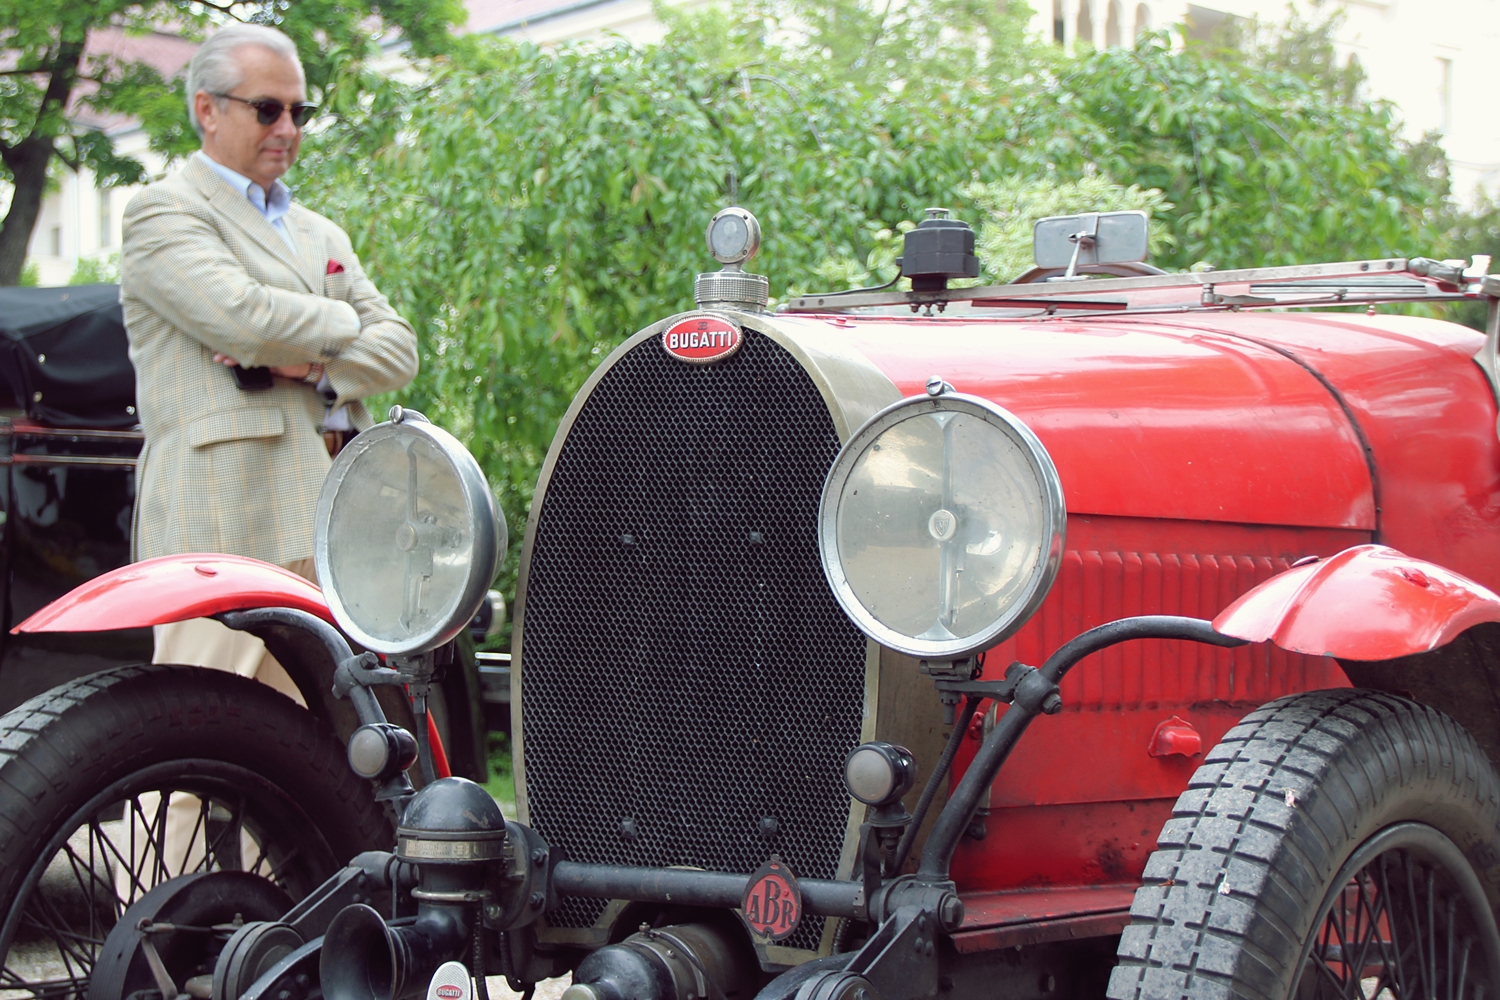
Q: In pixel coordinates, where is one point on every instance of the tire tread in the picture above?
(61, 747)
(1237, 872)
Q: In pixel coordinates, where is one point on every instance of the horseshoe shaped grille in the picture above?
(688, 680)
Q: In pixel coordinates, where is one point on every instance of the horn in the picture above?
(363, 959)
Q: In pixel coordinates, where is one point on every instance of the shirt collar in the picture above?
(273, 208)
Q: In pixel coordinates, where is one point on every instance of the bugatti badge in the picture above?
(701, 339)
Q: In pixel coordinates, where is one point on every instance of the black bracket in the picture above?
(1023, 685)
(363, 670)
(900, 960)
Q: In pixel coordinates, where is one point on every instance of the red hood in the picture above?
(1251, 418)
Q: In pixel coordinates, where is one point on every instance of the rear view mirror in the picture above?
(1095, 238)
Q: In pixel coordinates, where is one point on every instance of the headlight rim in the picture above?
(1053, 534)
(489, 529)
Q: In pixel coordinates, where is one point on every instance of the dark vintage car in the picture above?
(69, 438)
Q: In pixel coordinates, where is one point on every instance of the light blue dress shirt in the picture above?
(274, 207)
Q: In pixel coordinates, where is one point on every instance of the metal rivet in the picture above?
(627, 539)
(539, 857)
(756, 538)
(537, 899)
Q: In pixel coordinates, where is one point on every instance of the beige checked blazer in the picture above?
(202, 271)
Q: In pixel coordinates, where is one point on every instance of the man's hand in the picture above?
(296, 372)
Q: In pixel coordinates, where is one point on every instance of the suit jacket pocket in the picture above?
(338, 285)
(236, 425)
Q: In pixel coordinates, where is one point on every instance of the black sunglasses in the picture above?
(269, 112)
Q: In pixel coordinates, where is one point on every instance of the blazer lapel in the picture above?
(235, 207)
(312, 256)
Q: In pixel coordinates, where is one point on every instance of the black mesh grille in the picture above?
(684, 665)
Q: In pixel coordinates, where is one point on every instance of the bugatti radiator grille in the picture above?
(689, 687)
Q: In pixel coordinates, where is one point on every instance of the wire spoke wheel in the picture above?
(116, 783)
(139, 832)
(1407, 918)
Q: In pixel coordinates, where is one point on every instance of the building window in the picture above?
(1059, 26)
(1445, 94)
(106, 234)
(56, 235)
(1085, 21)
(1210, 26)
(1142, 20)
(1112, 24)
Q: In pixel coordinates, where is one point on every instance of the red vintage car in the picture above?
(1110, 632)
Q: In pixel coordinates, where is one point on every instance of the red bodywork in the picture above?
(174, 588)
(1201, 455)
(1418, 607)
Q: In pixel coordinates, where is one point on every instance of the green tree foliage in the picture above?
(529, 209)
(917, 48)
(1262, 167)
(1301, 44)
(1010, 207)
(50, 72)
(95, 270)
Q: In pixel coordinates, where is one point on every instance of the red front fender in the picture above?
(1369, 602)
(174, 588)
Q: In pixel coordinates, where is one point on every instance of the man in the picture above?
(220, 270)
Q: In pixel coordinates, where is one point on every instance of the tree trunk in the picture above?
(27, 161)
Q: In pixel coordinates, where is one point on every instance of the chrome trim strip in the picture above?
(1200, 283)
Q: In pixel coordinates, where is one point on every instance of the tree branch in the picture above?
(60, 85)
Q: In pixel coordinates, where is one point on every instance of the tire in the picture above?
(88, 773)
(1335, 844)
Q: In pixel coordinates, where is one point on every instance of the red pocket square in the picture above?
(334, 267)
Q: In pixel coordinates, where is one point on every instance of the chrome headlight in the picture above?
(941, 525)
(408, 537)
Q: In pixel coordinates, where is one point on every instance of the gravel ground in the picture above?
(547, 989)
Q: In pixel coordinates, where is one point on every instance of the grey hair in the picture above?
(214, 68)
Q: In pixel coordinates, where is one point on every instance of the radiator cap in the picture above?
(733, 238)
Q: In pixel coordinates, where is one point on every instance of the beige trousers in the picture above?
(203, 642)
(179, 844)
